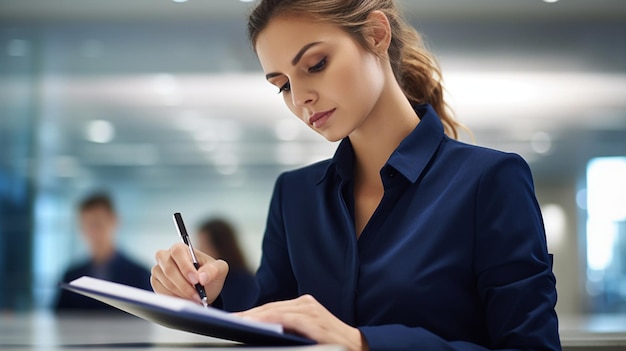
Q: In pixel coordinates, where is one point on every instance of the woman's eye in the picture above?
(319, 66)
(285, 87)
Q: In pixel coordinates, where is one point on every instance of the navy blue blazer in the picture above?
(120, 269)
(453, 258)
(239, 291)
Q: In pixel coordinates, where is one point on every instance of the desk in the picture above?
(45, 331)
(593, 333)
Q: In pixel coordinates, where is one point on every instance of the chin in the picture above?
(333, 139)
(333, 136)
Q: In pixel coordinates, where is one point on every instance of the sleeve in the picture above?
(275, 278)
(63, 299)
(513, 271)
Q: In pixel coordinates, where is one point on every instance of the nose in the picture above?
(301, 95)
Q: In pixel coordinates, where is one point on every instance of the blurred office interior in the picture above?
(163, 103)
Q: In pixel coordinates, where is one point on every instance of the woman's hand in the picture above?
(307, 317)
(174, 274)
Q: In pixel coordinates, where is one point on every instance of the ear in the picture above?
(378, 32)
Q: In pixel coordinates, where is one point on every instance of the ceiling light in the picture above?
(550, 1)
(165, 84)
(100, 131)
(180, 1)
(541, 142)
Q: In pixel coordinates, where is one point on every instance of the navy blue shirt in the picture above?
(453, 258)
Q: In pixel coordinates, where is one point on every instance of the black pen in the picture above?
(182, 231)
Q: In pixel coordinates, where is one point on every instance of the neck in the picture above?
(391, 120)
(103, 256)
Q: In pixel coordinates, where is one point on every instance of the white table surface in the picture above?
(95, 332)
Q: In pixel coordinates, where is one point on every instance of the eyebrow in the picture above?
(295, 59)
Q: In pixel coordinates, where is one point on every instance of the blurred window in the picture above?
(606, 234)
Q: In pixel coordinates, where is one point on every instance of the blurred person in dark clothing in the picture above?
(217, 237)
(98, 224)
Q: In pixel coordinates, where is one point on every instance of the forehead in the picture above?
(95, 211)
(284, 36)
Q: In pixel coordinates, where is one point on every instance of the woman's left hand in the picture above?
(307, 317)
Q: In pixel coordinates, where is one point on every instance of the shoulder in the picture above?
(75, 271)
(125, 262)
(493, 173)
(479, 159)
(129, 272)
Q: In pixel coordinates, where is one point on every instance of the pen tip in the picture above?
(204, 303)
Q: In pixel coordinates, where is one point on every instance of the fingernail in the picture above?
(203, 278)
(193, 278)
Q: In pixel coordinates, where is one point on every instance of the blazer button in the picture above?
(391, 174)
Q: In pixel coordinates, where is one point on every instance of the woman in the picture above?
(217, 239)
(406, 239)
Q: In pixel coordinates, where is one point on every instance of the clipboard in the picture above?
(180, 314)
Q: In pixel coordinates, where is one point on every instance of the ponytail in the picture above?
(419, 76)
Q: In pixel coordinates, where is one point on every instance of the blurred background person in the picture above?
(217, 237)
(98, 224)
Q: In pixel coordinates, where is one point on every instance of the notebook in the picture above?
(177, 313)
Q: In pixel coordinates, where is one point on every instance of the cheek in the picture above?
(359, 81)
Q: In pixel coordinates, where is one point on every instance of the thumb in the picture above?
(213, 272)
(212, 276)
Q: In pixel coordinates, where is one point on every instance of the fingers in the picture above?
(179, 253)
(307, 317)
(289, 314)
(175, 275)
(274, 312)
(212, 276)
(161, 288)
(168, 279)
(213, 272)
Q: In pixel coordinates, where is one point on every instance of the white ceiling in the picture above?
(512, 79)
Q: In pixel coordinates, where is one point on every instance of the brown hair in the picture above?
(97, 200)
(222, 237)
(415, 69)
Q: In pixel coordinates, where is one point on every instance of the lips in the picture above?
(319, 118)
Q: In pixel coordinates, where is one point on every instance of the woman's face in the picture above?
(326, 78)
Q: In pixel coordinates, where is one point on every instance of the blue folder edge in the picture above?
(198, 324)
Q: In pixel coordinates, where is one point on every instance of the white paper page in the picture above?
(168, 302)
